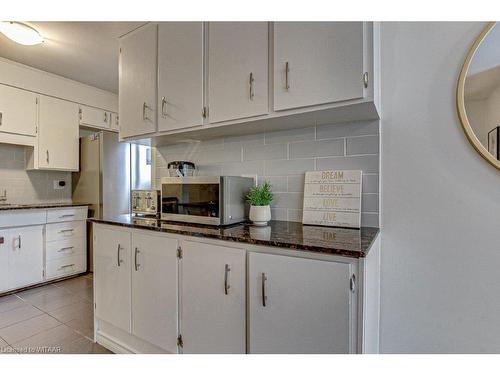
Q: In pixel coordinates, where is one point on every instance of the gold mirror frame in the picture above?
(471, 136)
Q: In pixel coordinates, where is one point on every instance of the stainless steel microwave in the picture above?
(213, 200)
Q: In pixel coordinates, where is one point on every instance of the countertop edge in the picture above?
(41, 206)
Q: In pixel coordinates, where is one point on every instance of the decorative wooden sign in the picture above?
(332, 198)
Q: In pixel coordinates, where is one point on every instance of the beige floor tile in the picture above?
(76, 310)
(19, 314)
(27, 294)
(51, 303)
(49, 341)
(10, 302)
(84, 346)
(87, 294)
(27, 328)
(76, 284)
(84, 326)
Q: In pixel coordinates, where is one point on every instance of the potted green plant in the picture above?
(260, 198)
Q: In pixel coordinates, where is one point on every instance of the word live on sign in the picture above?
(332, 198)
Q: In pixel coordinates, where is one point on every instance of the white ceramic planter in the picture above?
(260, 215)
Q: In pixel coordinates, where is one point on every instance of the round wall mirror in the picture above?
(478, 94)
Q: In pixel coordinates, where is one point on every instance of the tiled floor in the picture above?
(55, 318)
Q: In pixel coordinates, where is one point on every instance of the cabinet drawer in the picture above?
(65, 266)
(64, 231)
(16, 218)
(66, 214)
(65, 248)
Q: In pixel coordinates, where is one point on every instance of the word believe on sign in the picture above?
(332, 198)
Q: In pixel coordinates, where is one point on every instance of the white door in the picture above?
(154, 289)
(5, 241)
(298, 305)
(180, 75)
(58, 138)
(18, 111)
(95, 117)
(213, 295)
(112, 276)
(237, 70)
(25, 256)
(317, 63)
(137, 81)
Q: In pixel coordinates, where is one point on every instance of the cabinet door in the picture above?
(237, 70)
(95, 117)
(25, 256)
(213, 299)
(58, 144)
(317, 63)
(137, 81)
(154, 268)
(112, 276)
(180, 80)
(18, 111)
(5, 241)
(306, 307)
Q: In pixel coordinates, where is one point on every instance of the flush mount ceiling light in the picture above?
(21, 33)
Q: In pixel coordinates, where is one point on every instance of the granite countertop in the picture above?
(353, 243)
(31, 206)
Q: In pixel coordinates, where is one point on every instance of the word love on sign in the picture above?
(332, 198)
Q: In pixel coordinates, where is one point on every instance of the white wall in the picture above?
(440, 282)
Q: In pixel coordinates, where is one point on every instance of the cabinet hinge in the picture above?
(36, 100)
(36, 129)
(80, 113)
(365, 79)
(43, 273)
(180, 343)
(179, 252)
(204, 112)
(352, 283)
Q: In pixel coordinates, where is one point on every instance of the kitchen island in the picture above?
(164, 287)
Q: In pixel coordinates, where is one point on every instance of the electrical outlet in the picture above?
(59, 184)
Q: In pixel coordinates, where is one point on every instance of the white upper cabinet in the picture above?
(95, 117)
(137, 83)
(237, 70)
(18, 111)
(180, 75)
(58, 135)
(154, 265)
(213, 295)
(298, 305)
(317, 63)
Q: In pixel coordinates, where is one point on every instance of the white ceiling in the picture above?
(84, 51)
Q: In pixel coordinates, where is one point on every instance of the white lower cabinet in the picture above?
(213, 294)
(298, 305)
(112, 276)
(154, 289)
(24, 247)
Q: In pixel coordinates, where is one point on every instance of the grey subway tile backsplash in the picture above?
(283, 157)
(362, 145)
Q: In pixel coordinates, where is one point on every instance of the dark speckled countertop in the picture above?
(32, 206)
(354, 243)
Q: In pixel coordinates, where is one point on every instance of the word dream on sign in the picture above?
(332, 198)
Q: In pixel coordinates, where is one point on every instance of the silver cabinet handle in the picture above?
(264, 297)
(136, 265)
(118, 260)
(251, 80)
(163, 106)
(47, 156)
(19, 242)
(66, 230)
(144, 107)
(65, 249)
(67, 215)
(1, 118)
(66, 266)
(226, 283)
(287, 71)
